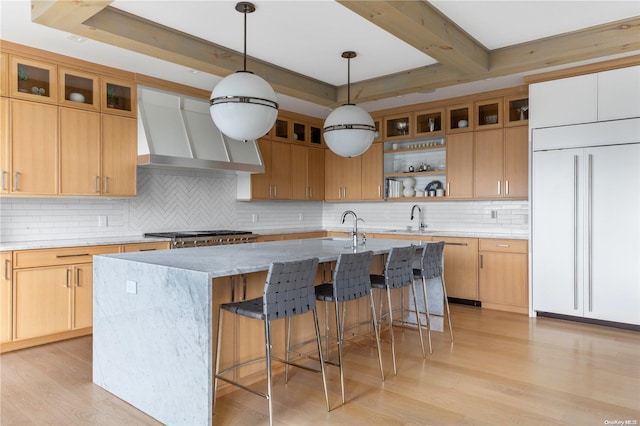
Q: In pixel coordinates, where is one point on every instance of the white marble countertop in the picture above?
(235, 259)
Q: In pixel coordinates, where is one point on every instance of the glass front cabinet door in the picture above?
(33, 80)
(119, 97)
(79, 89)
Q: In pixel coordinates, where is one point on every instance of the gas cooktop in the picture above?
(191, 234)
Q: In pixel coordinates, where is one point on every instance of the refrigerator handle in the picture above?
(590, 229)
(575, 232)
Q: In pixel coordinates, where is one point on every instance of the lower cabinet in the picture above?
(133, 247)
(503, 275)
(52, 294)
(460, 267)
(6, 319)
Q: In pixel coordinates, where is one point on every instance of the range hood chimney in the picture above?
(177, 131)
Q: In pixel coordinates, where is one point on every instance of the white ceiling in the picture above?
(308, 36)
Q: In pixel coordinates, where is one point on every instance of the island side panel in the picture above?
(152, 345)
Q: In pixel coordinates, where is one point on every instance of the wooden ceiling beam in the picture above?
(587, 44)
(131, 32)
(423, 26)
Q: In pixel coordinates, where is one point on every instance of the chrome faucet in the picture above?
(354, 233)
(422, 225)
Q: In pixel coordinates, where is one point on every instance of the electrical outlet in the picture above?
(300, 216)
(103, 221)
(132, 287)
(494, 215)
(254, 217)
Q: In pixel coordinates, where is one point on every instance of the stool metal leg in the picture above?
(319, 341)
(415, 303)
(267, 335)
(217, 371)
(426, 311)
(446, 303)
(340, 331)
(393, 340)
(377, 333)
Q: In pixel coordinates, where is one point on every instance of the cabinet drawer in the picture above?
(62, 256)
(507, 246)
(133, 247)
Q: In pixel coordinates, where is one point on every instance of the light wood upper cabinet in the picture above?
(460, 165)
(460, 118)
(6, 312)
(119, 154)
(33, 80)
(429, 122)
(398, 127)
(503, 275)
(307, 173)
(79, 152)
(275, 182)
(488, 114)
(516, 162)
(4, 74)
(119, 97)
(488, 163)
(372, 172)
(5, 140)
(342, 177)
(516, 110)
(79, 89)
(501, 163)
(34, 148)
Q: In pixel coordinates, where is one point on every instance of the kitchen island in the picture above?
(155, 317)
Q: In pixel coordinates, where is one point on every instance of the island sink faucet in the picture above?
(422, 225)
(354, 233)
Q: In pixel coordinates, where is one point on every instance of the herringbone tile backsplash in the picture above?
(188, 200)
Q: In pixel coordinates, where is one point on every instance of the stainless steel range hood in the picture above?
(177, 131)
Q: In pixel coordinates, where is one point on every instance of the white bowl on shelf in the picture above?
(76, 97)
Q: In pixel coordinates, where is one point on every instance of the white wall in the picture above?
(189, 200)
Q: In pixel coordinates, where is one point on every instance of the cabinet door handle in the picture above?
(456, 244)
(506, 187)
(7, 262)
(575, 232)
(97, 183)
(62, 256)
(448, 189)
(590, 228)
(498, 187)
(503, 245)
(4, 180)
(481, 261)
(68, 280)
(379, 191)
(275, 191)
(106, 184)
(15, 181)
(77, 277)
(310, 192)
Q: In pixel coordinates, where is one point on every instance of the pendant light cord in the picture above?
(348, 81)
(244, 65)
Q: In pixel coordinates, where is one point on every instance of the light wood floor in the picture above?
(502, 369)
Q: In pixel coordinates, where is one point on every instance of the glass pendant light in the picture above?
(243, 105)
(349, 129)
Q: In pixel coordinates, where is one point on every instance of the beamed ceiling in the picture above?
(455, 56)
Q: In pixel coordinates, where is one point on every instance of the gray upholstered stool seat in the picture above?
(398, 273)
(432, 266)
(350, 282)
(288, 291)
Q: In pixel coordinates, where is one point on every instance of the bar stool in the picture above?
(398, 273)
(432, 266)
(350, 282)
(288, 291)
